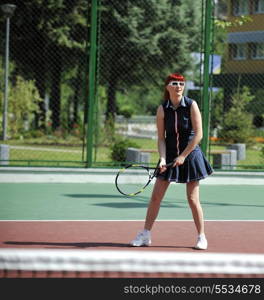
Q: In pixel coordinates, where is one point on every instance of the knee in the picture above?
(193, 201)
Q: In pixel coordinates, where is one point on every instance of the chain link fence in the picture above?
(47, 68)
(237, 114)
(138, 44)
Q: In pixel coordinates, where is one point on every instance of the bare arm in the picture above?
(161, 136)
(198, 134)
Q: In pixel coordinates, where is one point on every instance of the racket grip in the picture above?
(169, 164)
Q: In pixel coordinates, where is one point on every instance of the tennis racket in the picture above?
(134, 178)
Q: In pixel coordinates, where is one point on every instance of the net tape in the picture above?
(130, 261)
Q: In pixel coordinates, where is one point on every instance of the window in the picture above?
(238, 51)
(240, 7)
(257, 51)
(258, 6)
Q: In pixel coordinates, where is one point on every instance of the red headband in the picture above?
(174, 76)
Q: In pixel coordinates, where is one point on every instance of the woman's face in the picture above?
(176, 87)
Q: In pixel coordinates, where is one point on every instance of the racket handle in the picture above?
(169, 164)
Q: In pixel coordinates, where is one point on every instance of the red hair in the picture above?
(172, 77)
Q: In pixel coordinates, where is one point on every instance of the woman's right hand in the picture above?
(162, 165)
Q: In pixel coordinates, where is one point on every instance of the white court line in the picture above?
(97, 175)
(102, 178)
(128, 220)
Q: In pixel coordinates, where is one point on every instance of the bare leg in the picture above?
(194, 203)
(158, 193)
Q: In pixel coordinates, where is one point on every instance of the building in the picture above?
(245, 42)
(243, 64)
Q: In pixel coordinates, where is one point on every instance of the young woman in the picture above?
(179, 127)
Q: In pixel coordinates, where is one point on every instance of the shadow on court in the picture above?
(78, 245)
(137, 199)
(88, 245)
(93, 196)
(169, 205)
(230, 204)
(135, 205)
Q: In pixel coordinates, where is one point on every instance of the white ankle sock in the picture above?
(202, 235)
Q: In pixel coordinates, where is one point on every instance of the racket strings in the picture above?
(132, 180)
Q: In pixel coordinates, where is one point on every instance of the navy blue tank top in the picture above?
(178, 127)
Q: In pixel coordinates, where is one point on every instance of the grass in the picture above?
(72, 155)
(254, 158)
(35, 152)
(24, 154)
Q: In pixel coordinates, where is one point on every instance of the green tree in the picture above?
(143, 41)
(217, 108)
(140, 43)
(23, 104)
(256, 108)
(262, 153)
(237, 122)
(48, 41)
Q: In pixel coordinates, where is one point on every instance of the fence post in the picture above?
(206, 74)
(4, 154)
(92, 82)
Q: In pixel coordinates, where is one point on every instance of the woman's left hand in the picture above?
(179, 161)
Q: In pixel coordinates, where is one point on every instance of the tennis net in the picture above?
(102, 263)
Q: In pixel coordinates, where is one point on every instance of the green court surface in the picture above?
(101, 201)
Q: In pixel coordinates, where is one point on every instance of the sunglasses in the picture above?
(177, 83)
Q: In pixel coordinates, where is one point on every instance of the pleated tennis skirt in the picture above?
(194, 168)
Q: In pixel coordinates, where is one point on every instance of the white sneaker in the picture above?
(201, 242)
(143, 238)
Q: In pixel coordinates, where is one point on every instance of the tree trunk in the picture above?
(40, 75)
(55, 89)
(77, 94)
(111, 100)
